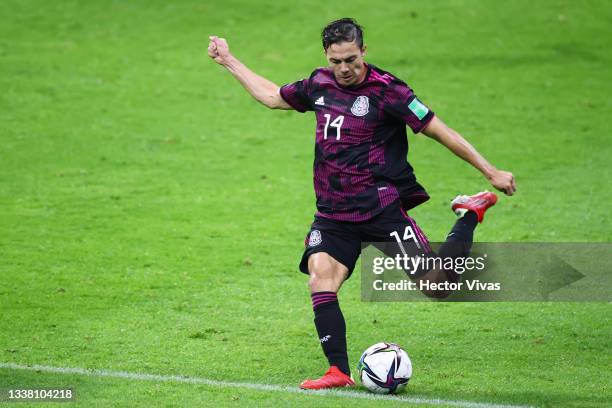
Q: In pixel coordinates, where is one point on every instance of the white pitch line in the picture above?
(252, 386)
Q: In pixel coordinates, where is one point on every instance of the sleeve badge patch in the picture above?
(418, 108)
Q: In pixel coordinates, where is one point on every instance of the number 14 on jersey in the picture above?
(337, 123)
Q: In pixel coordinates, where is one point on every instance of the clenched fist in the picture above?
(218, 49)
(503, 181)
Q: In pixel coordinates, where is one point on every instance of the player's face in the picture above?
(346, 59)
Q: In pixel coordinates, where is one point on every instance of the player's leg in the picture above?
(326, 278)
(401, 235)
(394, 224)
(416, 243)
(326, 273)
(470, 211)
(329, 260)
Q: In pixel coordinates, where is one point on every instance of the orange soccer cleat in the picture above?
(333, 378)
(479, 203)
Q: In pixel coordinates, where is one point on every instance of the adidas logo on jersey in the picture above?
(320, 101)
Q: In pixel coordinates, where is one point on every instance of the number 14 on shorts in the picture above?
(409, 234)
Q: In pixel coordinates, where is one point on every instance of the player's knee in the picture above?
(321, 278)
(324, 274)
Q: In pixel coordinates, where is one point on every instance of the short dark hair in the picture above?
(343, 30)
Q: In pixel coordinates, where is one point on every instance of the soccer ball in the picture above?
(384, 368)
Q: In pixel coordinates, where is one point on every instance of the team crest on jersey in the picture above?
(315, 238)
(361, 106)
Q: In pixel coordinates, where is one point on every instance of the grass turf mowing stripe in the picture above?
(253, 386)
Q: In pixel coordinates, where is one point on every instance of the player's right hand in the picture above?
(218, 49)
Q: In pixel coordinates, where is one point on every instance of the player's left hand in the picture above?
(503, 181)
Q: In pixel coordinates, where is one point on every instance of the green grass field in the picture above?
(152, 215)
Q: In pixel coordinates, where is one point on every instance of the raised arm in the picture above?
(501, 180)
(263, 90)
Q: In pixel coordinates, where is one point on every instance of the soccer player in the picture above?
(363, 182)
